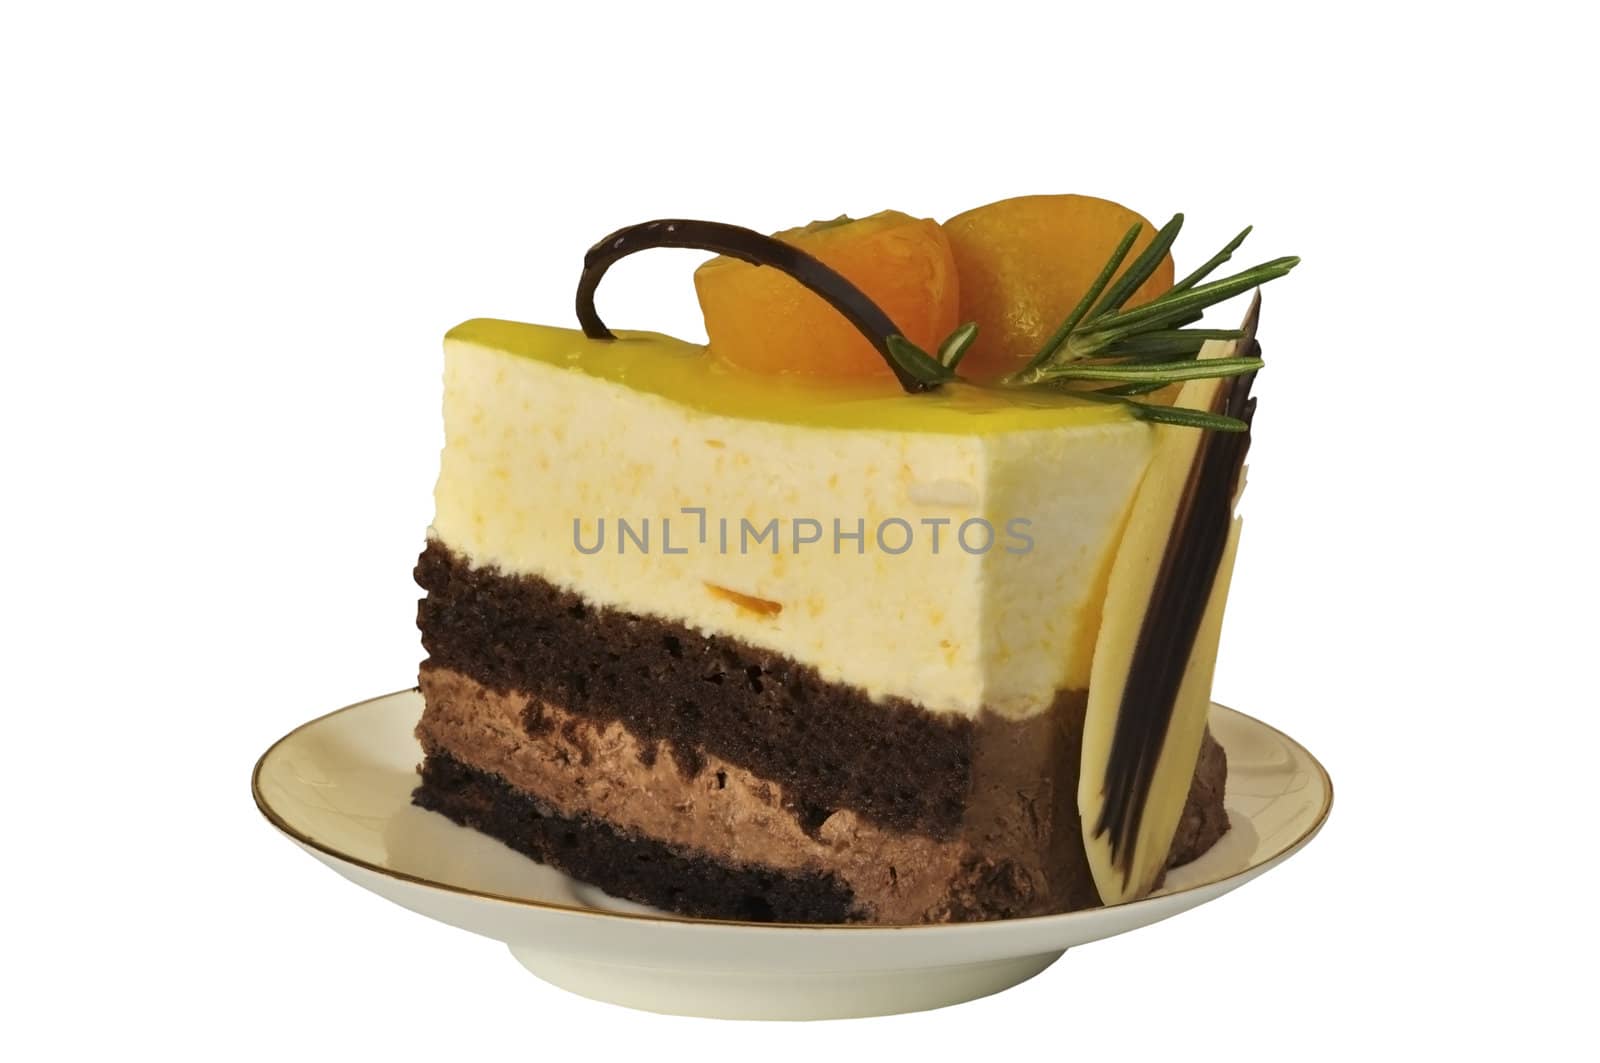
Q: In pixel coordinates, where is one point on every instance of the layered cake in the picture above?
(896, 602)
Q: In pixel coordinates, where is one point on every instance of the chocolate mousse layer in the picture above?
(582, 793)
(627, 865)
(1205, 818)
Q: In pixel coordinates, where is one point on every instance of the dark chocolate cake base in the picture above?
(634, 868)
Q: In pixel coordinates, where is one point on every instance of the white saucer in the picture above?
(340, 786)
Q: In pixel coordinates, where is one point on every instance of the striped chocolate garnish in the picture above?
(1177, 605)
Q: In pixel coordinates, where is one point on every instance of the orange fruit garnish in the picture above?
(1024, 264)
(761, 319)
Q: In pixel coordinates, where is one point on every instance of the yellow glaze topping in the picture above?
(686, 373)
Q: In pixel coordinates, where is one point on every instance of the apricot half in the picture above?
(1024, 264)
(764, 320)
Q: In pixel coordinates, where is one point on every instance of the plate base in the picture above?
(742, 995)
(340, 787)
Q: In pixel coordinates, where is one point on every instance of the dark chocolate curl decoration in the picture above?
(747, 245)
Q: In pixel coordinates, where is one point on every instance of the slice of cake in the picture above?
(845, 636)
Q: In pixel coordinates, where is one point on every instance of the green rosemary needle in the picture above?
(918, 363)
(954, 347)
(1173, 415)
(1158, 373)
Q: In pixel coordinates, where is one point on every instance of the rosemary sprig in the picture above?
(1157, 327)
(1136, 351)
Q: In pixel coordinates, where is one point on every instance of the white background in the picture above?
(232, 240)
